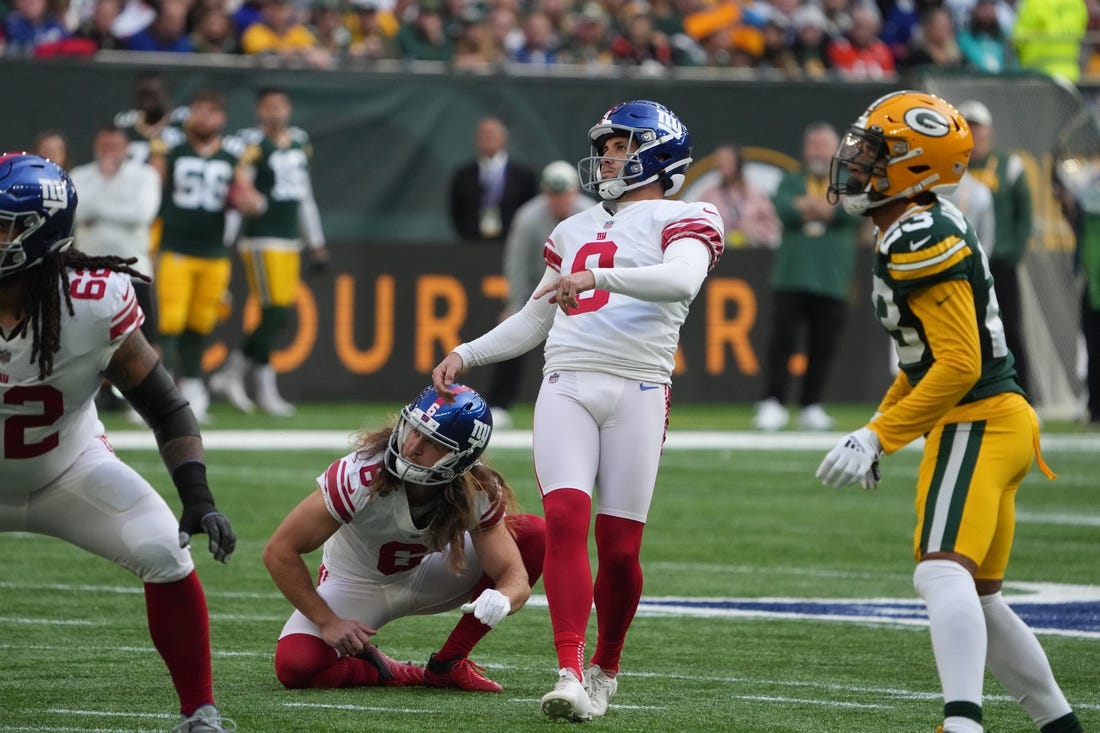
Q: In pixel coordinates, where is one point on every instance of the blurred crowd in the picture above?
(860, 39)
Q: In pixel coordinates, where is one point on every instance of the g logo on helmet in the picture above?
(927, 121)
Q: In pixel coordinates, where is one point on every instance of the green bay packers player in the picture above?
(193, 269)
(270, 247)
(151, 117)
(934, 295)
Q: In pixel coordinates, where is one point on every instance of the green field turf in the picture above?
(75, 654)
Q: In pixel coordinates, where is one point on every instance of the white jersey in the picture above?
(47, 423)
(378, 537)
(613, 332)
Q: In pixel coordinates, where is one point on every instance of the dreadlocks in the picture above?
(40, 300)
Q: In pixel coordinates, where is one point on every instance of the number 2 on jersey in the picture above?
(16, 426)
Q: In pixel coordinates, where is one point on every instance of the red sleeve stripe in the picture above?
(492, 517)
(552, 258)
(128, 318)
(333, 479)
(696, 228)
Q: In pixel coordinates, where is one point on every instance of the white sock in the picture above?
(1020, 664)
(265, 379)
(958, 637)
(238, 364)
(960, 725)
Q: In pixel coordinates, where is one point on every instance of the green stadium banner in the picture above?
(385, 144)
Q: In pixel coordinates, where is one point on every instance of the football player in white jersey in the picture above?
(412, 523)
(67, 321)
(957, 387)
(619, 279)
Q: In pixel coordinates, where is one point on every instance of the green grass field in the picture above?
(729, 526)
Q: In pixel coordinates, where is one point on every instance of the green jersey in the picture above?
(282, 175)
(813, 257)
(193, 201)
(139, 135)
(929, 245)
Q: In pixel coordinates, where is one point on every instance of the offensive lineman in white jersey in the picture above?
(412, 523)
(67, 320)
(602, 409)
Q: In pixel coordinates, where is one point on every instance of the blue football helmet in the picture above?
(37, 211)
(663, 153)
(463, 427)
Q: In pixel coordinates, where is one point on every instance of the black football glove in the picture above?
(204, 518)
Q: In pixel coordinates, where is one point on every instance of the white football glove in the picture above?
(490, 607)
(853, 459)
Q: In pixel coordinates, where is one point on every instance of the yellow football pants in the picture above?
(190, 291)
(273, 274)
(966, 490)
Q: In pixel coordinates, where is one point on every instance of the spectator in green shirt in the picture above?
(810, 280)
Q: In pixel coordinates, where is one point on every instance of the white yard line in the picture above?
(899, 694)
(339, 440)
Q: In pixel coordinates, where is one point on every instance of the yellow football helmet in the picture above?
(905, 142)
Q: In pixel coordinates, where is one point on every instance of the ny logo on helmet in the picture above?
(54, 194)
(927, 122)
(479, 436)
(671, 122)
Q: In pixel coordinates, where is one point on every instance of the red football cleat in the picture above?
(460, 674)
(392, 673)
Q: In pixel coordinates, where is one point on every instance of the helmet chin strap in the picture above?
(612, 190)
(860, 203)
(856, 204)
(616, 187)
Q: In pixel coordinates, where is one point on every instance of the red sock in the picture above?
(618, 586)
(180, 628)
(529, 531)
(567, 576)
(303, 661)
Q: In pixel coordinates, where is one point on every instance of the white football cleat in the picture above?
(770, 415)
(228, 382)
(206, 719)
(568, 700)
(267, 394)
(601, 689)
(814, 417)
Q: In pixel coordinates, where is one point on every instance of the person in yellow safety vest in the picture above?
(1048, 36)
